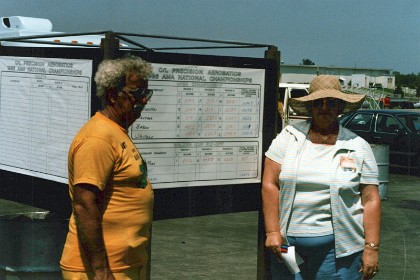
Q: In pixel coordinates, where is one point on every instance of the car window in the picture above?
(411, 121)
(296, 93)
(388, 124)
(416, 122)
(361, 121)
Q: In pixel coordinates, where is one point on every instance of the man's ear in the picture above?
(111, 95)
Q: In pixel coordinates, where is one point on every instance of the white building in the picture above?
(355, 77)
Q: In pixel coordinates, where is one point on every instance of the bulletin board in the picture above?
(208, 124)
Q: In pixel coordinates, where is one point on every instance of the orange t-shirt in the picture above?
(102, 154)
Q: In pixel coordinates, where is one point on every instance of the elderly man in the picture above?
(111, 195)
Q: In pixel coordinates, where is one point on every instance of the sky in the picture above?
(380, 34)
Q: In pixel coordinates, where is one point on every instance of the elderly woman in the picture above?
(320, 191)
(111, 195)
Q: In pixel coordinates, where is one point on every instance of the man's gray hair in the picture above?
(111, 71)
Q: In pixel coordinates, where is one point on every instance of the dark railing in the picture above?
(123, 37)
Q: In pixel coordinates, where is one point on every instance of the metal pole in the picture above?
(274, 54)
(263, 261)
(109, 44)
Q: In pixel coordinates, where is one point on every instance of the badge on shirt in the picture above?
(348, 163)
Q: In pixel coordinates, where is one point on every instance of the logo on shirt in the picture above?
(142, 183)
(136, 155)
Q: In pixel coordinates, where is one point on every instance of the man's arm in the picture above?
(87, 205)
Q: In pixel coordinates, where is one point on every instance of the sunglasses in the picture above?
(140, 93)
(330, 102)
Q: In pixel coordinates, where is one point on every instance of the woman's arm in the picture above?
(372, 225)
(270, 200)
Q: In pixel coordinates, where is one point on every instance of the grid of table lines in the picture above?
(39, 118)
(209, 111)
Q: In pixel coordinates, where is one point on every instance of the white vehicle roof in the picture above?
(18, 26)
(291, 85)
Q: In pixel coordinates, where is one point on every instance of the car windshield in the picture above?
(412, 121)
(343, 118)
(360, 121)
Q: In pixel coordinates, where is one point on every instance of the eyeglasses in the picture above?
(140, 93)
(330, 102)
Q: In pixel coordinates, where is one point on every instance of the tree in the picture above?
(408, 80)
(399, 91)
(307, 61)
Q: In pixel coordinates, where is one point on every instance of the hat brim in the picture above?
(301, 106)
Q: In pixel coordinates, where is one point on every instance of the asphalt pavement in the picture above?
(226, 246)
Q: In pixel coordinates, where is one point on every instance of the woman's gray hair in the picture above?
(111, 71)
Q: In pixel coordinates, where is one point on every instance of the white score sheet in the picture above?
(202, 126)
(43, 103)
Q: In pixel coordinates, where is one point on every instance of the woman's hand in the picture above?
(270, 199)
(370, 263)
(273, 242)
(371, 202)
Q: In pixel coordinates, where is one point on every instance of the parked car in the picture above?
(287, 91)
(375, 85)
(400, 129)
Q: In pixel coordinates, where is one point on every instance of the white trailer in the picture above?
(22, 27)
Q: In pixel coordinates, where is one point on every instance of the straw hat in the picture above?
(325, 86)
